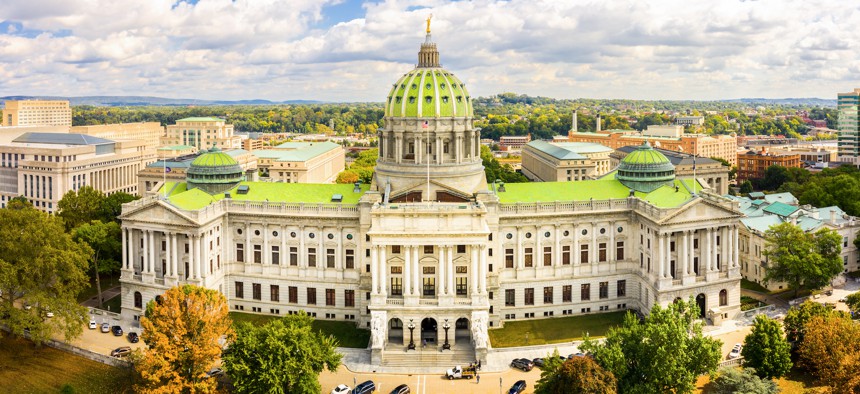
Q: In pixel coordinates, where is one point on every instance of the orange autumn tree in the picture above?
(183, 331)
(831, 350)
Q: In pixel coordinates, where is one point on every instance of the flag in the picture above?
(166, 169)
(694, 163)
(425, 125)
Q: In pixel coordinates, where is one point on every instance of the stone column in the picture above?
(249, 249)
(683, 254)
(450, 256)
(473, 270)
(537, 255)
(125, 247)
(575, 247)
(692, 255)
(201, 257)
(175, 269)
(167, 254)
(144, 235)
(714, 247)
(374, 270)
(407, 270)
(593, 255)
(418, 288)
(321, 255)
(482, 275)
(556, 251)
(398, 151)
(520, 250)
(383, 270)
(266, 258)
(153, 252)
(610, 249)
(285, 254)
(441, 285)
(303, 261)
(192, 260)
(734, 246)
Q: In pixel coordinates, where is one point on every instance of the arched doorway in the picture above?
(700, 301)
(462, 332)
(429, 331)
(395, 331)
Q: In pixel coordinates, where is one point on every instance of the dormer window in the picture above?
(402, 86)
(445, 99)
(428, 99)
(411, 99)
(442, 85)
(428, 86)
(398, 99)
(414, 86)
(459, 99)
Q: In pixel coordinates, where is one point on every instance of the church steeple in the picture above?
(428, 56)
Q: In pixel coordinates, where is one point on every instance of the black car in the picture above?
(522, 363)
(402, 389)
(133, 337)
(518, 387)
(116, 330)
(367, 387)
(538, 362)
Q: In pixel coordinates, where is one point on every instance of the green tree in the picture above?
(295, 355)
(112, 206)
(831, 351)
(665, 353)
(82, 206)
(746, 187)
(40, 266)
(552, 362)
(801, 259)
(796, 318)
(579, 375)
(733, 170)
(766, 349)
(853, 302)
(732, 380)
(104, 241)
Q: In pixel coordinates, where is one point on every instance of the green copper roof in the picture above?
(296, 151)
(665, 196)
(214, 158)
(201, 119)
(428, 93)
(645, 169)
(780, 209)
(308, 193)
(645, 154)
(556, 151)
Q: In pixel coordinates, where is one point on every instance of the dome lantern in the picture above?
(214, 172)
(645, 169)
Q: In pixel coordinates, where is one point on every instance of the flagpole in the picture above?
(164, 175)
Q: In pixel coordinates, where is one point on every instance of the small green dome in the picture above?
(645, 169)
(427, 93)
(214, 158)
(214, 172)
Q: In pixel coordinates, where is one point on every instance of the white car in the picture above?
(340, 389)
(93, 324)
(736, 351)
(49, 314)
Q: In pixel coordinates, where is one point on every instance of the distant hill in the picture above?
(127, 101)
(806, 102)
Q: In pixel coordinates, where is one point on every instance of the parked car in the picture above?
(736, 351)
(459, 372)
(93, 324)
(366, 387)
(538, 362)
(828, 292)
(518, 387)
(402, 389)
(575, 355)
(121, 351)
(340, 389)
(133, 337)
(522, 363)
(843, 300)
(215, 372)
(49, 314)
(116, 330)
(105, 327)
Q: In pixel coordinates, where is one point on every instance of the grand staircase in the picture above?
(428, 359)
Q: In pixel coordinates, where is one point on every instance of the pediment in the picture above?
(700, 210)
(461, 260)
(158, 212)
(428, 260)
(395, 260)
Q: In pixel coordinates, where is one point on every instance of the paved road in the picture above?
(432, 383)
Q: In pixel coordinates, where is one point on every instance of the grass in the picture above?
(750, 285)
(26, 369)
(555, 330)
(789, 294)
(113, 304)
(796, 382)
(91, 291)
(748, 303)
(346, 333)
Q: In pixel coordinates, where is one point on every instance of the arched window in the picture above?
(138, 300)
(724, 297)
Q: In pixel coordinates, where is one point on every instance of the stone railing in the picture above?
(430, 207)
(341, 210)
(583, 206)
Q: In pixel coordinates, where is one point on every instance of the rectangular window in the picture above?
(294, 256)
(462, 283)
(530, 296)
(395, 249)
(429, 286)
(396, 286)
(274, 293)
(547, 256)
(428, 249)
(350, 259)
(695, 243)
(257, 291)
(349, 298)
(276, 255)
(567, 293)
(619, 250)
(604, 290)
(583, 254)
(622, 288)
(312, 257)
(240, 290)
(547, 295)
(510, 297)
(240, 252)
(601, 252)
(329, 297)
(258, 254)
(565, 255)
(294, 294)
(396, 269)
(312, 296)
(585, 292)
(461, 249)
(509, 258)
(329, 258)
(528, 257)
(672, 246)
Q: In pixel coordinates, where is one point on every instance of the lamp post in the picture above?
(411, 327)
(446, 326)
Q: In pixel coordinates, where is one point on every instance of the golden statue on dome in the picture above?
(428, 23)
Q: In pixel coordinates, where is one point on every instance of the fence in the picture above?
(89, 354)
(732, 363)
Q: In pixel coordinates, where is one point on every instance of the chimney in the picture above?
(833, 216)
(598, 124)
(573, 128)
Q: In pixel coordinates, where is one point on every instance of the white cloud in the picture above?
(278, 49)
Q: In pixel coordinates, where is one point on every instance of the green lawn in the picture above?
(91, 291)
(554, 330)
(346, 333)
(113, 304)
(750, 285)
(25, 369)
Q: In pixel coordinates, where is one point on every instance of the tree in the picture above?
(104, 241)
(578, 375)
(766, 349)
(667, 352)
(735, 381)
(347, 176)
(295, 354)
(746, 187)
(831, 350)
(112, 206)
(40, 266)
(801, 259)
(82, 206)
(853, 302)
(733, 170)
(183, 330)
(796, 319)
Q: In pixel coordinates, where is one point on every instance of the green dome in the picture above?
(214, 158)
(645, 169)
(427, 93)
(214, 172)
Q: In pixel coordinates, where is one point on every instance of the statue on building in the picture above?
(479, 331)
(377, 331)
(428, 23)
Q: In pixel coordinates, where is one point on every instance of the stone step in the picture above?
(428, 358)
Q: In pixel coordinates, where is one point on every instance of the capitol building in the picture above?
(430, 244)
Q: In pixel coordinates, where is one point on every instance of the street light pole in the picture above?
(411, 327)
(446, 326)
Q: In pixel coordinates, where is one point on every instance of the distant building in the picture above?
(37, 113)
(753, 164)
(250, 144)
(690, 120)
(154, 174)
(810, 153)
(202, 133)
(714, 173)
(848, 105)
(513, 142)
(149, 132)
(172, 151)
(565, 161)
(302, 162)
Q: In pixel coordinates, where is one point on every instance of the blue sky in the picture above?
(352, 50)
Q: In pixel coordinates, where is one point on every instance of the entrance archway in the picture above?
(395, 331)
(700, 301)
(462, 331)
(429, 331)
